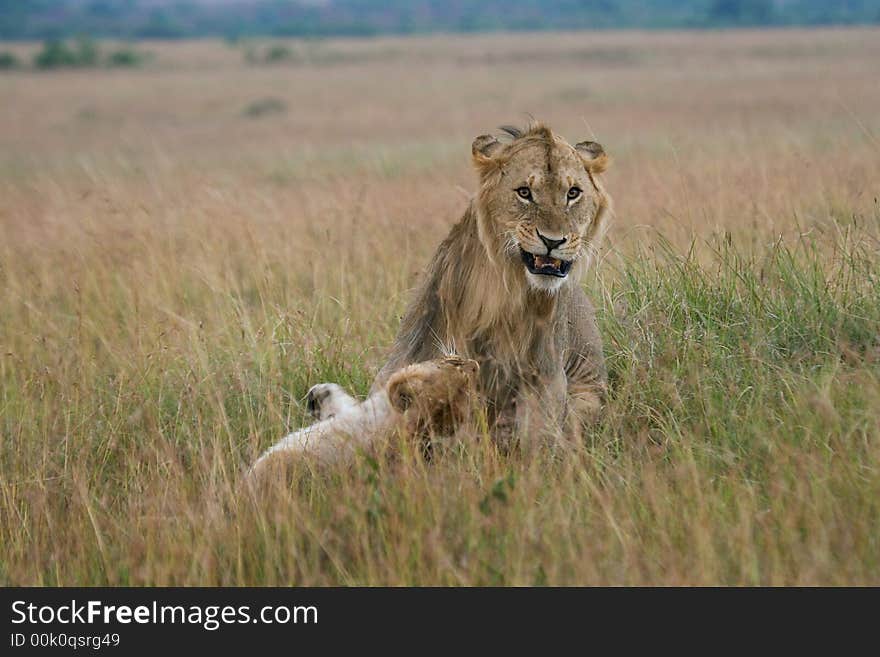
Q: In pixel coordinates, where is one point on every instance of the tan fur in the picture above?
(538, 348)
(420, 402)
(433, 397)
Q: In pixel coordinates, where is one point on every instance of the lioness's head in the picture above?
(542, 208)
(434, 395)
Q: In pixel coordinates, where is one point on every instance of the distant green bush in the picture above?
(272, 54)
(264, 107)
(56, 54)
(278, 53)
(8, 61)
(126, 58)
(85, 53)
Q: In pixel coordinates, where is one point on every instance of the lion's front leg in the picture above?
(586, 405)
(539, 412)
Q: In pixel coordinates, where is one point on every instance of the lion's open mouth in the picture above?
(545, 265)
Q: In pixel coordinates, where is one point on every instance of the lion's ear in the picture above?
(594, 156)
(484, 150)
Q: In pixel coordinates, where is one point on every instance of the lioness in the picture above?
(422, 401)
(504, 289)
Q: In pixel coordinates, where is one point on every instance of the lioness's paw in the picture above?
(326, 400)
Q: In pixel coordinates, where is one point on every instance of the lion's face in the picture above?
(541, 203)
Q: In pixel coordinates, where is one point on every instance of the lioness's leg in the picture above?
(325, 400)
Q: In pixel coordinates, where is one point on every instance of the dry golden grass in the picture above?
(176, 272)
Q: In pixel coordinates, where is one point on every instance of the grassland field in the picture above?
(186, 247)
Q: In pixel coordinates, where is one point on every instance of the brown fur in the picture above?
(539, 351)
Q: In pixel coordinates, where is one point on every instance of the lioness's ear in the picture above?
(470, 366)
(484, 149)
(400, 395)
(593, 155)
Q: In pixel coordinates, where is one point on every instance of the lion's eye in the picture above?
(524, 192)
(573, 193)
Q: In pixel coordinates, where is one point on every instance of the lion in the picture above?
(422, 402)
(504, 289)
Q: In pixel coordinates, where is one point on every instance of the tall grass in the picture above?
(174, 275)
(741, 446)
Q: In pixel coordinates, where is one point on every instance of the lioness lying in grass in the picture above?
(422, 401)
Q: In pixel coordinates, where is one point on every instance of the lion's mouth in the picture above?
(545, 265)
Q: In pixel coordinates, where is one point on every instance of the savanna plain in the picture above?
(186, 247)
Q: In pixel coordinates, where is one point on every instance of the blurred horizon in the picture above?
(180, 19)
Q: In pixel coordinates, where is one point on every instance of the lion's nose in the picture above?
(550, 243)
